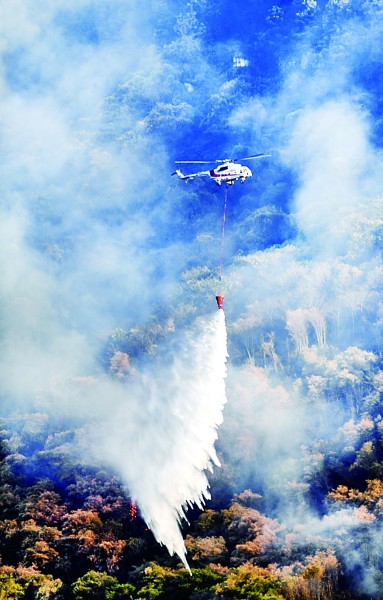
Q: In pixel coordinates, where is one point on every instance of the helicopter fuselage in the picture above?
(230, 172)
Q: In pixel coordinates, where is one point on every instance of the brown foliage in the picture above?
(40, 554)
(372, 496)
(251, 532)
(95, 539)
(248, 498)
(206, 550)
(120, 365)
(318, 579)
(45, 508)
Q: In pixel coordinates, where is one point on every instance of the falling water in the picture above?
(162, 439)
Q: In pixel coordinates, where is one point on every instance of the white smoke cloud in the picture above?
(330, 149)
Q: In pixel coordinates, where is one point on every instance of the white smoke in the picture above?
(161, 439)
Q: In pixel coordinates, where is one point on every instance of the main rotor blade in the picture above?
(220, 160)
(253, 156)
(194, 162)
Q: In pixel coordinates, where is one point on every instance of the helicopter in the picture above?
(228, 172)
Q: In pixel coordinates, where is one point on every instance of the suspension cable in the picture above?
(223, 232)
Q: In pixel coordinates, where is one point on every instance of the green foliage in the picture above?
(157, 581)
(163, 583)
(100, 586)
(250, 583)
(30, 583)
(10, 589)
(209, 522)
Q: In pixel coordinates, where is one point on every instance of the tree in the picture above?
(318, 321)
(250, 532)
(249, 582)
(120, 365)
(96, 540)
(43, 505)
(318, 579)
(296, 323)
(28, 582)
(371, 497)
(163, 583)
(41, 554)
(206, 550)
(100, 586)
(10, 589)
(157, 580)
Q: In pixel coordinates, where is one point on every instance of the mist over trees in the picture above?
(109, 268)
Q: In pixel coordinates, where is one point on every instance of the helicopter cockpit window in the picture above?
(224, 168)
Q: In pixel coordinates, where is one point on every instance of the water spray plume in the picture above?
(163, 440)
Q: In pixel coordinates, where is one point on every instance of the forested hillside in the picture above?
(112, 362)
(296, 506)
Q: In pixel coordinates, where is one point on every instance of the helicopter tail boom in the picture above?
(180, 175)
(191, 176)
